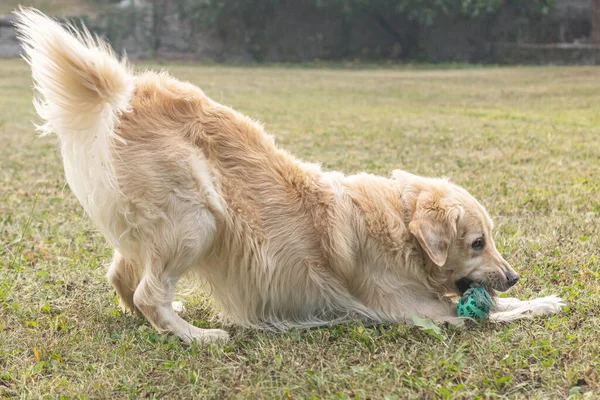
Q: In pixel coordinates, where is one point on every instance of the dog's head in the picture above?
(455, 232)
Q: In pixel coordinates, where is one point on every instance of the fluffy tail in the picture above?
(76, 74)
(82, 88)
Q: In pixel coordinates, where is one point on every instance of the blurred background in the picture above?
(246, 31)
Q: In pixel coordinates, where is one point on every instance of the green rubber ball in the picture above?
(476, 303)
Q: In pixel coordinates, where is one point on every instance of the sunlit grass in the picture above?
(525, 141)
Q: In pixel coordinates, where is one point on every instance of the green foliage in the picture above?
(422, 11)
(532, 9)
(427, 326)
(248, 21)
(426, 11)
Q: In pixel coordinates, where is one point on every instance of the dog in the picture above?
(179, 183)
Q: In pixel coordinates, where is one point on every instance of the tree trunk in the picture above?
(596, 21)
(159, 10)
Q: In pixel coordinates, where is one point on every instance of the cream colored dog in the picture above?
(177, 182)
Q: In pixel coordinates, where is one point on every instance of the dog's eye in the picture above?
(478, 244)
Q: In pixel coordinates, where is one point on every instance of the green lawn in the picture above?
(525, 141)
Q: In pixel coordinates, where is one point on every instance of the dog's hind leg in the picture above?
(170, 251)
(124, 276)
(154, 298)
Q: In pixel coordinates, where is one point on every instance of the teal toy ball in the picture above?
(476, 303)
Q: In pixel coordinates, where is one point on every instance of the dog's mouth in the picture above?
(463, 284)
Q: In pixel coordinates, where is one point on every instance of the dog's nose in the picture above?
(512, 278)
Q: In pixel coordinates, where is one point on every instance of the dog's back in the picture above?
(282, 225)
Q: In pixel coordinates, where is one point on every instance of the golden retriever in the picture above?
(177, 182)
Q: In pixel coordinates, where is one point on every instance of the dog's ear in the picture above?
(434, 226)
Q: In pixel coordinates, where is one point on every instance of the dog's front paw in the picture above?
(215, 336)
(546, 305)
(178, 307)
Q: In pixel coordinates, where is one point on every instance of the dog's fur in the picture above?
(177, 182)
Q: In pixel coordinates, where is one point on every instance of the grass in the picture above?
(525, 141)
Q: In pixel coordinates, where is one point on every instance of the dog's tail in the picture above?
(80, 81)
(82, 89)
